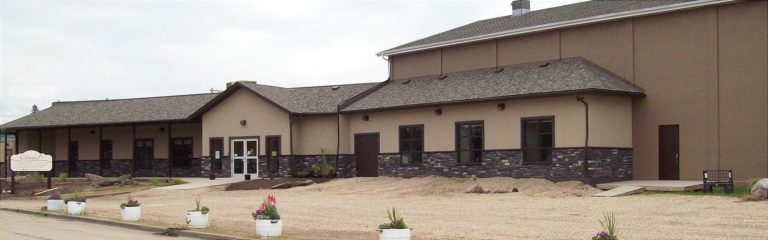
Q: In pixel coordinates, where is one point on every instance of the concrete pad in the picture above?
(193, 183)
(619, 191)
(656, 185)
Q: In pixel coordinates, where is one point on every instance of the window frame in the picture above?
(400, 144)
(184, 163)
(457, 141)
(523, 147)
(216, 164)
(145, 164)
(105, 160)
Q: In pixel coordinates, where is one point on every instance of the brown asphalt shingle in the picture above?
(135, 110)
(534, 79)
(539, 17)
(321, 99)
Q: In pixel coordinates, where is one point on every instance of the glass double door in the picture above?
(245, 156)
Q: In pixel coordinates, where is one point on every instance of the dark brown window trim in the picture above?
(456, 141)
(522, 139)
(146, 164)
(183, 164)
(400, 139)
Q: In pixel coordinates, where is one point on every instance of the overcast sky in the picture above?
(85, 50)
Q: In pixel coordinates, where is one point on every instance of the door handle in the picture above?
(677, 158)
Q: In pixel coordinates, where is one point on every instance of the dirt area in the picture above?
(268, 183)
(26, 187)
(436, 208)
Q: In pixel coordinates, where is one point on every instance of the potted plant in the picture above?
(395, 229)
(130, 210)
(198, 217)
(75, 205)
(55, 203)
(268, 222)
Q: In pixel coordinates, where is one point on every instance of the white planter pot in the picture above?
(75, 208)
(55, 205)
(394, 234)
(269, 228)
(131, 214)
(197, 220)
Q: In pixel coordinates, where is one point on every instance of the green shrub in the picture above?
(323, 169)
(395, 222)
(302, 173)
(156, 182)
(63, 177)
(609, 232)
(177, 181)
(37, 176)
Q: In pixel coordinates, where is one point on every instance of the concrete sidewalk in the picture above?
(193, 183)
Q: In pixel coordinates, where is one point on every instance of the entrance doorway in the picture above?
(669, 152)
(367, 154)
(245, 156)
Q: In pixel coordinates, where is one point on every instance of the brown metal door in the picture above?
(367, 153)
(669, 152)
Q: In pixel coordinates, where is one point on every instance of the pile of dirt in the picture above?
(440, 186)
(269, 183)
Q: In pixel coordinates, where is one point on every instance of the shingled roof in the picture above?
(550, 18)
(555, 77)
(300, 100)
(134, 110)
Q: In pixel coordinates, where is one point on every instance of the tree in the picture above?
(34, 108)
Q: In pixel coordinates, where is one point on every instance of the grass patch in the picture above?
(738, 192)
(156, 183)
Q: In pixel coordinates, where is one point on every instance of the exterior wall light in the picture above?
(366, 117)
(243, 122)
(439, 111)
(500, 106)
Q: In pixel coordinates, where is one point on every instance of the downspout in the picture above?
(586, 138)
(292, 161)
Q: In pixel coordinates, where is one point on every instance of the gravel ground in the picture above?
(436, 209)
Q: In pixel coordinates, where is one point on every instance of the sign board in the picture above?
(31, 161)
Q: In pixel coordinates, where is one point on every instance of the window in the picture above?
(538, 139)
(106, 154)
(273, 153)
(181, 152)
(73, 156)
(411, 144)
(469, 142)
(143, 153)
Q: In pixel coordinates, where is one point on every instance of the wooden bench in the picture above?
(718, 178)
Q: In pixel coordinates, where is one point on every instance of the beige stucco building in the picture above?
(640, 90)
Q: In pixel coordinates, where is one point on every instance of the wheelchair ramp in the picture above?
(619, 191)
(656, 185)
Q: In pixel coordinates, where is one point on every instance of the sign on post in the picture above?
(31, 161)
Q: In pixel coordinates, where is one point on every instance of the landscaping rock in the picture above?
(99, 181)
(514, 189)
(760, 190)
(283, 185)
(474, 189)
(301, 183)
(485, 190)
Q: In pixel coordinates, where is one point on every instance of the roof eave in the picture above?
(557, 25)
(508, 97)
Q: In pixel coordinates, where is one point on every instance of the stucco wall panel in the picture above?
(416, 64)
(87, 143)
(673, 62)
(262, 118)
(608, 45)
(122, 141)
(743, 84)
(502, 128)
(529, 48)
(316, 132)
(470, 56)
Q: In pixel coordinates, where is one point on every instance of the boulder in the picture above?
(485, 190)
(474, 189)
(99, 181)
(283, 185)
(300, 183)
(514, 189)
(760, 189)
